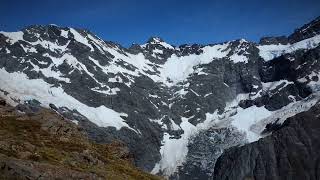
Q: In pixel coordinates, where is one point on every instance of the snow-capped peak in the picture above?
(157, 41)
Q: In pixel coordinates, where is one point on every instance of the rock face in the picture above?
(274, 40)
(289, 153)
(163, 101)
(308, 30)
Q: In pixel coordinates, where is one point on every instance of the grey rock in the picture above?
(289, 153)
(307, 31)
(274, 40)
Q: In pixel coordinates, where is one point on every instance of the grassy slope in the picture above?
(25, 138)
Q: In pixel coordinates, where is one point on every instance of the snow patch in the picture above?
(269, 52)
(78, 37)
(245, 118)
(64, 33)
(178, 68)
(173, 151)
(279, 116)
(21, 88)
(13, 37)
(269, 86)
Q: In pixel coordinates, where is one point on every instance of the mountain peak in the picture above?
(155, 40)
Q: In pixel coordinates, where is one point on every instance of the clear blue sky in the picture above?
(176, 21)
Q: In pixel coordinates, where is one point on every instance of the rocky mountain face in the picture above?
(177, 108)
(289, 153)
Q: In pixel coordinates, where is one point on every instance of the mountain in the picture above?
(177, 108)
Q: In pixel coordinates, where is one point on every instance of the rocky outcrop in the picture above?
(306, 31)
(291, 152)
(274, 40)
(41, 144)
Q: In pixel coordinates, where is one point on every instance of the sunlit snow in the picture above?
(22, 88)
(268, 52)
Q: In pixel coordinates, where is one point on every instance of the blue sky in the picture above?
(176, 21)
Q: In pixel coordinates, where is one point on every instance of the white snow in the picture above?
(238, 58)
(8, 51)
(64, 33)
(110, 91)
(48, 72)
(240, 52)
(314, 85)
(174, 151)
(158, 51)
(287, 111)
(21, 88)
(115, 79)
(78, 37)
(177, 69)
(268, 52)
(158, 41)
(199, 71)
(74, 63)
(166, 45)
(250, 121)
(75, 121)
(70, 60)
(138, 61)
(273, 85)
(174, 126)
(153, 96)
(245, 118)
(194, 92)
(13, 37)
(182, 92)
(29, 49)
(50, 45)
